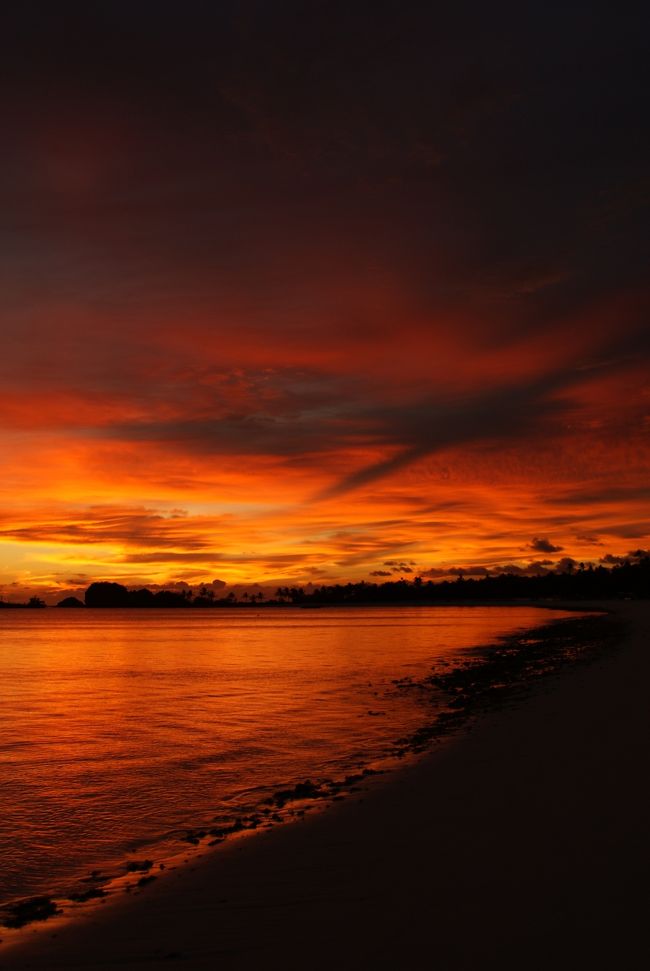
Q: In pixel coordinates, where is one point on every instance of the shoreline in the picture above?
(325, 890)
(449, 694)
(453, 692)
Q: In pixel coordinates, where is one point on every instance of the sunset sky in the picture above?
(314, 291)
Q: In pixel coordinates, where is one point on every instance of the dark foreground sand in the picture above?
(522, 845)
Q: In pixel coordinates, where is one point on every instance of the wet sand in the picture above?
(522, 844)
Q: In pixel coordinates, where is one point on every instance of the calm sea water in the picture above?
(121, 729)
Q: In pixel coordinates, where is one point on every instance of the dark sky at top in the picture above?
(503, 142)
(367, 233)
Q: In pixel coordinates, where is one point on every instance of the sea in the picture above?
(122, 732)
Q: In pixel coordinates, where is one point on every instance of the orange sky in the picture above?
(318, 315)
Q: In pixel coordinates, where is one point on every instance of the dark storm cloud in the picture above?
(111, 525)
(633, 556)
(533, 569)
(295, 414)
(424, 428)
(494, 142)
(589, 539)
(398, 566)
(634, 530)
(437, 211)
(315, 422)
(607, 494)
(543, 545)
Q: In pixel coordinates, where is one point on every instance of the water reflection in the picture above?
(119, 728)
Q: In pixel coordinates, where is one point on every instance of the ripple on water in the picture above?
(124, 728)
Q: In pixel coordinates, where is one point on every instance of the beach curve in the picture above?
(520, 845)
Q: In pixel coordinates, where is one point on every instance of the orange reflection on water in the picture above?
(121, 729)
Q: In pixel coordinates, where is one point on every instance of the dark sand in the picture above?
(522, 844)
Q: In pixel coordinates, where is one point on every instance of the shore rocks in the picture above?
(26, 911)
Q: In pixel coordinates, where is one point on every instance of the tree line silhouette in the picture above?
(627, 579)
(584, 583)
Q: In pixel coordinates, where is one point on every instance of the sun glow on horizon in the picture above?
(320, 315)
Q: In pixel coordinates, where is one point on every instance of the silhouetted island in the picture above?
(32, 602)
(627, 580)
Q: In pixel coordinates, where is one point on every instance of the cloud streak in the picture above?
(342, 306)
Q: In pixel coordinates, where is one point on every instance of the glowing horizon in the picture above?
(297, 314)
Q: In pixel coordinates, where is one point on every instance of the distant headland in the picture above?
(629, 580)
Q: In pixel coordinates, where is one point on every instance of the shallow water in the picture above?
(121, 729)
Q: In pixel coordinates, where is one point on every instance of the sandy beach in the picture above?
(521, 844)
